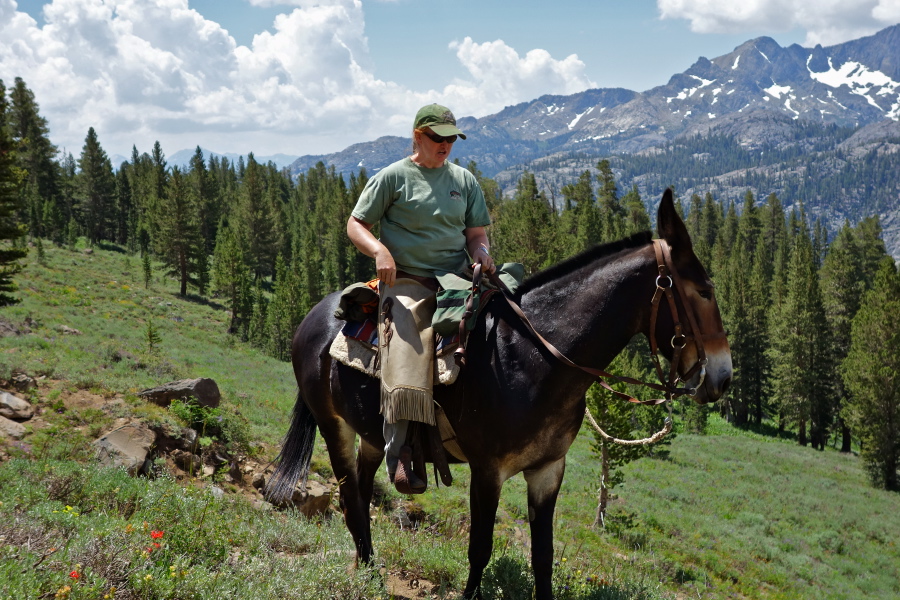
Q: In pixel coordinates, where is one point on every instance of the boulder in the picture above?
(170, 437)
(8, 329)
(314, 500)
(23, 382)
(187, 461)
(127, 446)
(13, 407)
(11, 429)
(66, 330)
(203, 389)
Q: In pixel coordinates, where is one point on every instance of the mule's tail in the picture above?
(292, 463)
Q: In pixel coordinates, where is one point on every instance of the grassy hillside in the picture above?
(727, 515)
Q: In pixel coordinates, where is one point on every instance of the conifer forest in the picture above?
(811, 316)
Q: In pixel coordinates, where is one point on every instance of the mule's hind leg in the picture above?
(356, 491)
(543, 489)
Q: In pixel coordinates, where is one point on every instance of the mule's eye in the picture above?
(705, 294)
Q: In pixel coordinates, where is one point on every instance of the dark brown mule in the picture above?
(515, 407)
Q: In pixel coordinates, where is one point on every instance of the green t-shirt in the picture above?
(423, 213)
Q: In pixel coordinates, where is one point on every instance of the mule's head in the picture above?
(698, 292)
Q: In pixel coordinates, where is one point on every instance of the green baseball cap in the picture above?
(439, 119)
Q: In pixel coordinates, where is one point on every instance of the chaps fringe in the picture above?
(407, 403)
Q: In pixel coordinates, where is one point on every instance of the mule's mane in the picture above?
(589, 256)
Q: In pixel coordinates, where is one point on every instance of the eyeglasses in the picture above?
(439, 139)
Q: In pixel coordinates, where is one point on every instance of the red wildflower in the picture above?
(156, 534)
(74, 574)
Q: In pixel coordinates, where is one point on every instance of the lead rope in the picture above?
(667, 428)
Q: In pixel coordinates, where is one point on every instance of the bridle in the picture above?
(667, 280)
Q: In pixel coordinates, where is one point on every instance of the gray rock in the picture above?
(127, 446)
(170, 437)
(23, 382)
(13, 407)
(187, 461)
(11, 429)
(203, 389)
(314, 500)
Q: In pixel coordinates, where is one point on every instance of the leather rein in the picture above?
(668, 282)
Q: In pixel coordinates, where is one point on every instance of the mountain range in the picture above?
(817, 125)
(182, 158)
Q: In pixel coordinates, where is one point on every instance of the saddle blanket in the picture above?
(356, 346)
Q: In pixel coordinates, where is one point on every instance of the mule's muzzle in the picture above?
(716, 380)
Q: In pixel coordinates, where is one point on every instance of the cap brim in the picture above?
(445, 129)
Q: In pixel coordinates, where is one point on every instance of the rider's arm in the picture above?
(360, 234)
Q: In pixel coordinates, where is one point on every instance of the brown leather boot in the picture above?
(405, 480)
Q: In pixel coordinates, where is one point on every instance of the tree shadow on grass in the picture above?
(769, 428)
(202, 301)
(111, 247)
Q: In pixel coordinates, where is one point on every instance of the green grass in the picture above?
(102, 295)
(733, 514)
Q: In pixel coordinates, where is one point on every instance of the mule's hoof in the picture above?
(405, 481)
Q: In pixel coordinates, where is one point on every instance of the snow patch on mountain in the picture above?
(778, 90)
(860, 80)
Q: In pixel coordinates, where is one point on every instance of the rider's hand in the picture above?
(385, 267)
(487, 263)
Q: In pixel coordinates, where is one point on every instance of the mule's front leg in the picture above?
(543, 488)
(484, 495)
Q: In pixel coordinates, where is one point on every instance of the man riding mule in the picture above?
(515, 407)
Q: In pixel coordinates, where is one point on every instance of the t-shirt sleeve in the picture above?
(374, 200)
(476, 208)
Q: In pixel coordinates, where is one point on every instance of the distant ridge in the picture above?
(850, 84)
(182, 158)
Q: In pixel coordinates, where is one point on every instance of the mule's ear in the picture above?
(671, 227)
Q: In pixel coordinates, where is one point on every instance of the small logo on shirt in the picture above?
(454, 195)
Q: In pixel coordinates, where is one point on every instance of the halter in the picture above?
(684, 333)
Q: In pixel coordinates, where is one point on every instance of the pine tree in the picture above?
(146, 268)
(581, 218)
(799, 347)
(179, 244)
(231, 276)
(525, 229)
(756, 362)
(285, 311)
(96, 190)
(152, 337)
(871, 247)
(624, 420)
(255, 218)
(124, 211)
(256, 332)
(10, 228)
(35, 154)
(636, 218)
(608, 201)
(203, 189)
(871, 372)
(842, 289)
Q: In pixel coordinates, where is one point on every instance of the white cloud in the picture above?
(826, 22)
(144, 70)
(500, 75)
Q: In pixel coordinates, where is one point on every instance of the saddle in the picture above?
(459, 305)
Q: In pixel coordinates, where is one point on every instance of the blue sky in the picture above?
(313, 76)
